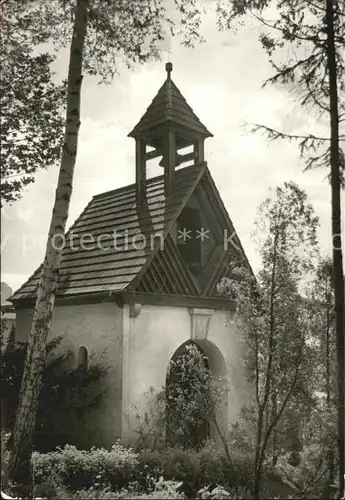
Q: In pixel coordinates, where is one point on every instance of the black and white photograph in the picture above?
(172, 242)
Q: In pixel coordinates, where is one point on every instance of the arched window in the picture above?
(82, 358)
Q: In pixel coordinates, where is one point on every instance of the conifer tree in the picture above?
(312, 34)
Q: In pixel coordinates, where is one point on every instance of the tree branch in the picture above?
(276, 134)
(278, 28)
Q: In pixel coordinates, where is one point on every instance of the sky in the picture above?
(221, 80)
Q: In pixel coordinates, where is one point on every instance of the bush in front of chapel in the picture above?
(68, 394)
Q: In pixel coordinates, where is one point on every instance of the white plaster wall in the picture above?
(98, 327)
(150, 341)
(224, 335)
(139, 350)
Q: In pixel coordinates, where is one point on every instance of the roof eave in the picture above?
(141, 132)
(102, 296)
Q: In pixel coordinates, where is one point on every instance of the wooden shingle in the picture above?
(92, 269)
(169, 105)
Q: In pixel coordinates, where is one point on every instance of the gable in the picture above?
(167, 273)
(171, 271)
(117, 228)
(124, 262)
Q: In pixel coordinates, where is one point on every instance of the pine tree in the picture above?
(312, 32)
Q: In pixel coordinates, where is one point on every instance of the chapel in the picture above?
(143, 284)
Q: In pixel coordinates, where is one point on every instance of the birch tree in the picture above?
(312, 34)
(270, 313)
(101, 31)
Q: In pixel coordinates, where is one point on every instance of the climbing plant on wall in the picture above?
(68, 394)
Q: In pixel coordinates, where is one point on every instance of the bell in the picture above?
(178, 160)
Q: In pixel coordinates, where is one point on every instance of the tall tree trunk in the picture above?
(275, 430)
(257, 462)
(19, 465)
(338, 275)
(328, 384)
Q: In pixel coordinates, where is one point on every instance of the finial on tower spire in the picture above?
(168, 68)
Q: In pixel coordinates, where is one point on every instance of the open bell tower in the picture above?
(168, 125)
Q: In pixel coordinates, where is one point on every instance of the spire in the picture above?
(168, 125)
(168, 69)
(169, 105)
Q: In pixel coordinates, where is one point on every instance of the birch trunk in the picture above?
(19, 465)
(336, 237)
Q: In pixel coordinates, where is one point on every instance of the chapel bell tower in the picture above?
(168, 125)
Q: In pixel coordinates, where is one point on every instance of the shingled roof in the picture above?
(169, 105)
(124, 268)
(110, 270)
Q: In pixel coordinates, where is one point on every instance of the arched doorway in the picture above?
(188, 404)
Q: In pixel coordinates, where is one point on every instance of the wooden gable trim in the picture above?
(135, 282)
(218, 204)
(183, 272)
(207, 207)
(168, 273)
(218, 274)
(209, 200)
(211, 268)
(172, 277)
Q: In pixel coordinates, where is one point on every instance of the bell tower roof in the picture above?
(169, 106)
(168, 125)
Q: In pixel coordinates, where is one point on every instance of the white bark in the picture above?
(19, 466)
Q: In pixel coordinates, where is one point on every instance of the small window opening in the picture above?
(82, 358)
(188, 243)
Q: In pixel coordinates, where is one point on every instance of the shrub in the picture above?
(310, 475)
(5, 454)
(89, 494)
(120, 468)
(162, 490)
(67, 394)
(195, 469)
(81, 469)
(219, 492)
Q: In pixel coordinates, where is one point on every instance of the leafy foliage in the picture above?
(121, 469)
(313, 69)
(312, 34)
(31, 105)
(193, 397)
(81, 469)
(67, 394)
(181, 413)
(150, 423)
(121, 31)
(271, 315)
